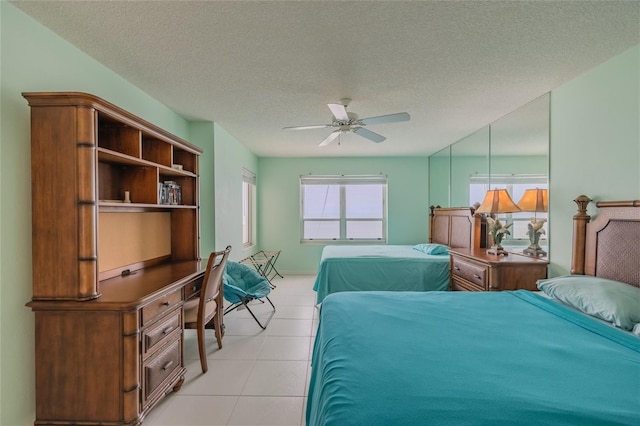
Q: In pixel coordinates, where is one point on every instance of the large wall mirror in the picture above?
(469, 165)
(510, 153)
(440, 177)
(520, 162)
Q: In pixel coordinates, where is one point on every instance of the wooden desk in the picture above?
(112, 359)
(107, 199)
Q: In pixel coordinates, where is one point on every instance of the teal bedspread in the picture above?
(449, 358)
(379, 267)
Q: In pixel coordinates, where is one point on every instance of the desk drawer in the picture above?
(160, 306)
(193, 288)
(160, 368)
(476, 274)
(161, 331)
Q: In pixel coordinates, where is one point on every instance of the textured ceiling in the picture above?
(257, 66)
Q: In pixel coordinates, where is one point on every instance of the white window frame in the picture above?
(342, 181)
(248, 208)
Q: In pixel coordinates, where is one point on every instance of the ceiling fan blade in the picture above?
(365, 133)
(330, 138)
(391, 118)
(339, 112)
(313, 126)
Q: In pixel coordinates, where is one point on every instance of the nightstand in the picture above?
(475, 270)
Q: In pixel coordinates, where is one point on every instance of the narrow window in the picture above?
(248, 206)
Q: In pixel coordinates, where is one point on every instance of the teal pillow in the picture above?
(612, 301)
(432, 248)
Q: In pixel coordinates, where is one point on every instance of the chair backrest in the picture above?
(212, 282)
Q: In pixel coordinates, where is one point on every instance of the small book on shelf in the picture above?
(170, 193)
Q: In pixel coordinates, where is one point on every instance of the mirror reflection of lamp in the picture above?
(535, 200)
(497, 201)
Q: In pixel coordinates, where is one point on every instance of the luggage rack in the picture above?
(264, 262)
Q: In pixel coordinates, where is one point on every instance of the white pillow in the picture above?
(612, 301)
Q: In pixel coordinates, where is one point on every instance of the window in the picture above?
(343, 208)
(515, 186)
(248, 197)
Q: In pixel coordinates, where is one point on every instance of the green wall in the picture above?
(519, 164)
(595, 145)
(464, 167)
(279, 202)
(203, 133)
(230, 157)
(440, 178)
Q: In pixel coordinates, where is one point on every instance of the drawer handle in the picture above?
(167, 365)
(476, 276)
(166, 303)
(167, 330)
(456, 268)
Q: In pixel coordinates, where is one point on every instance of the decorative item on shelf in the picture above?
(535, 200)
(127, 196)
(497, 201)
(170, 193)
(177, 166)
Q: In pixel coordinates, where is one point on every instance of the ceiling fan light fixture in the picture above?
(350, 122)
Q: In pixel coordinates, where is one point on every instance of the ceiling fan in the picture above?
(349, 122)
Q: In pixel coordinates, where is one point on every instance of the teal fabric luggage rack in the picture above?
(243, 285)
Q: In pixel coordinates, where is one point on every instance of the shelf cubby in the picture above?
(186, 159)
(156, 151)
(118, 137)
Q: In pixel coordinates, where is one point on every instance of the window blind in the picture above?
(343, 180)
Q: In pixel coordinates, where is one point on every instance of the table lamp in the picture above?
(535, 200)
(497, 201)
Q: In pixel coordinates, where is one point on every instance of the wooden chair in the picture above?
(199, 312)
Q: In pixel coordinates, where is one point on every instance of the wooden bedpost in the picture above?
(431, 219)
(580, 221)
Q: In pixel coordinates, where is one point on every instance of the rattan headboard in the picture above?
(456, 227)
(608, 246)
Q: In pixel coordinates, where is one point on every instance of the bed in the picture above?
(492, 358)
(420, 267)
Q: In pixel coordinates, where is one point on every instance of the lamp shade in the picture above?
(497, 201)
(534, 200)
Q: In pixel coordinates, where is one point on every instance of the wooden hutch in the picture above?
(115, 205)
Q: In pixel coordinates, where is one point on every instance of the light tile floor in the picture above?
(258, 377)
